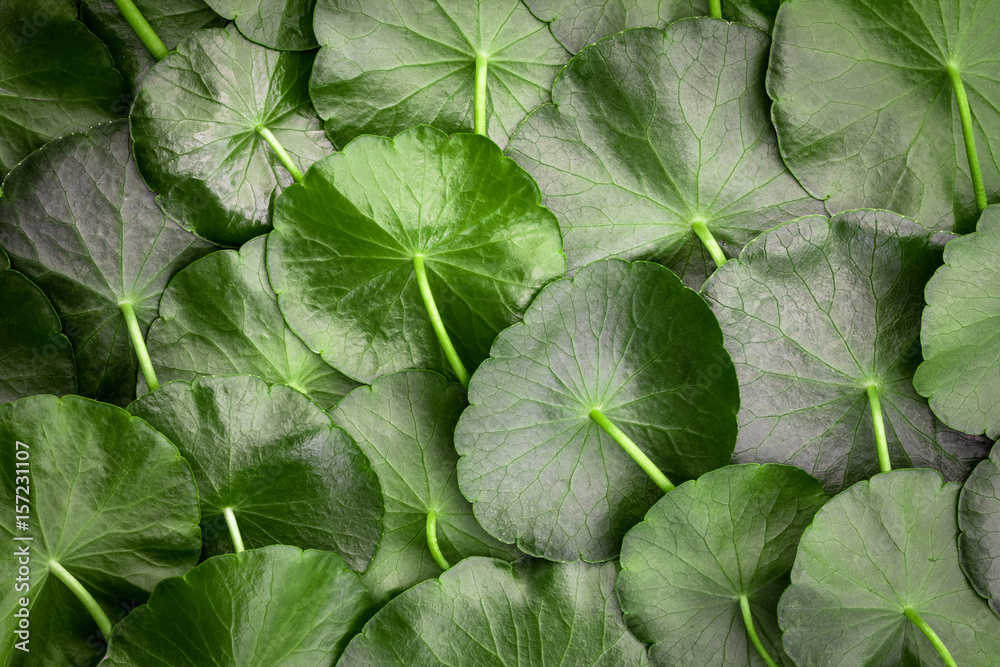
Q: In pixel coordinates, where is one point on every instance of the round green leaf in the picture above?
(814, 313)
(404, 422)
(486, 611)
(960, 332)
(77, 219)
(286, 25)
(55, 77)
(36, 358)
(341, 256)
(730, 534)
(866, 110)
(199, 125)
(219, 316)
(880, 548)
(385, 66)
(276, 460)
(109, 499)
(171, 20)
(576, 23)
(651, 132)
(979, 520)
(629, 340)
(278, 606)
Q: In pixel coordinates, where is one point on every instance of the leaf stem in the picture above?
(234, 530)
(715, 8)
(748, 621)
(140, 346)
(482, 61)
(432, 541)
(965, 114)
(632, 450)
(280, 151)
(432, 312)
(703, 233)
(142, 28)
(931, 635)
(881, 446)
(84, 596)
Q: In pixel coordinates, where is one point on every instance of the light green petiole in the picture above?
(965, 115)
(83, 595)
(140, 346)
(482, 61)
(881, 446)
(234, 529)
(437, 323)
(748, 621)
(280, 151)
(432, 541)
(713, 247)
(142, 28)
(632, 450)
(932, 636)
(715, 8)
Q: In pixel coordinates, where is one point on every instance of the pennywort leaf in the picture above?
(286, 25)
(979, 520)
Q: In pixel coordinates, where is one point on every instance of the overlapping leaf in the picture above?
(815, 312)
(960, 332)
(275, 459)
(286, 25)
(342, 254)
(219, 316)
(404, 423)
(651, 132)
(199, 125)
(485, 611)
(629, 340)
(109, 499)
(77, 219)
(979, 520)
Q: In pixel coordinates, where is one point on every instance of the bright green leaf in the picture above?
(275, 460)
(277, 606)
(404, 423)
(55, 77)
(286, 25)
(201, 123)
(220, 316)
(653, 134)
(979, 520)
(485, 611)
(881, 548)
(77, 219)
(960, 332)
(109, 499)
(630, 341)
(815, 313)
(866, 109)
(460, 65)
(344, 251)
(706, 550)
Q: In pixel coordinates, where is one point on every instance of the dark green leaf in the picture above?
(280, 24)
(651, 131)
(960, 332)
(629, 340)
(728, 535)
(276, 606)
(979, 520)
(866, 111)
(172, 20)
(35, 357)
(55, 77)
(404, 423)
(197, 124)
(276, 460)
(485, 611)
(77, 219)
(815, 312)
(220, 316)
(879, 548)
(386, 66)
(341, 256)
(109, 499)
